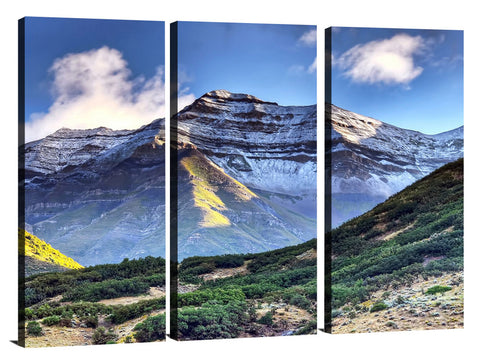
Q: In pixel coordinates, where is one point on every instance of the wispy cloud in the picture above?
(95, 88)
(313, 66)
(308, 38)
(389, 61)
(184, 97)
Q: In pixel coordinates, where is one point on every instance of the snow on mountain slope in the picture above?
(377, 159)
(70, 148)
(259, 143)
(98, 195)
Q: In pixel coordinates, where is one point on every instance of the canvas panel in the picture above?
(92, 181)
(243, 180)
(394, 179)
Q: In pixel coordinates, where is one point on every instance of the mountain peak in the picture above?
(99, 131)
(227, 95)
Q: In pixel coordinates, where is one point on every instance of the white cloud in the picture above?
(95, 88)
(298, 69)
(389, 61)
(313, 66)
(184, 96)
(309, 38)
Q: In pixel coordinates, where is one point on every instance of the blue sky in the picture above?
(405, 77)
(272, 62)
(84, 73)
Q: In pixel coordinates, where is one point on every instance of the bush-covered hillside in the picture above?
(415, 235)
(122, 302)
(265, 294)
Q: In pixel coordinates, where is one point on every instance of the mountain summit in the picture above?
(261, 144)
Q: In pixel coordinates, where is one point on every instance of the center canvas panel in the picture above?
(92, 182)
(243, 180)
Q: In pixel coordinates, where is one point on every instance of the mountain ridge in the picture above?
(84, 196)
(264, 145)
(373, 160)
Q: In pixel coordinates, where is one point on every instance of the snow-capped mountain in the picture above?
(70, 148)
(246, 183)
(371, 160)
(98, 195)
(261, 144)
(267, 153)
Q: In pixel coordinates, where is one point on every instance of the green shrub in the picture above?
(438, 289)
(199, 297)
(153, 328)
(34, 329)
(266, 319)
(107, 289)
(378, 306)
(29, 313)
(300, 301)
(51, 320)
(90, 321)
(212, 320)
(122, 313)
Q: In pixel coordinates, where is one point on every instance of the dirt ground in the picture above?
(417, 310)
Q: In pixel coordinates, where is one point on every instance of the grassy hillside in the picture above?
(42, 257)
(265, 294)
(379, 258)
(100, 304)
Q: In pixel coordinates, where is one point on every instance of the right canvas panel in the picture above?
(394, 179)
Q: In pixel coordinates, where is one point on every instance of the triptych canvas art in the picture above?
(242, 146)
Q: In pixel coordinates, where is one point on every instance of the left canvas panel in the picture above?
(91, 181)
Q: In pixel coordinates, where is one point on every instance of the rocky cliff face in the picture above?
(372, 160)
(98, 195)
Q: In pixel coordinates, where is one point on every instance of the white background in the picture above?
(441, 344)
